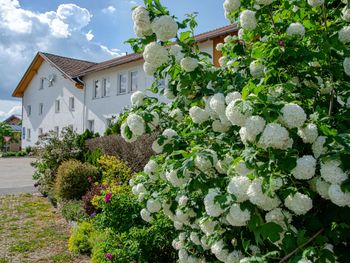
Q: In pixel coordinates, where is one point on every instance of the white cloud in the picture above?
(133, 2)
(109, 10)
(23, 33)
(8, 108)
(89, 35)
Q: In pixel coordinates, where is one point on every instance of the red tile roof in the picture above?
(229, 29)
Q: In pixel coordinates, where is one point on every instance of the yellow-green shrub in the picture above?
(80, 241)
(114, 170)
(73, 178)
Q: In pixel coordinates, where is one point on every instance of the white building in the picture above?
(58, 91)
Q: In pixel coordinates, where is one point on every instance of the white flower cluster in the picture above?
(231, 5)
(296, 29)
(169, 134)
(176, 114)
(293, 116)
(346, 65)
(332, 173)
(146, 215)
(344, 35)
(237, 216)
(322, 188)
(315, 3)
(264, 2)
(257, 197)
(232, 96)
(137, 98)
(142, 22)
(238, 187)
(247, 20)
(318, 147)
(176, 51)
(165, 28)
(136, 125)
(211, 206)
(305, 168)
(151, 167)
(257, 69)
(346, 14)
(279, 217)
(219, 250)
(253, 126)
(275, 136)
(176, 180)
(206, 160)
(155, 55)
(309, 133)
(338, 197)
(234, 113)
(153, 205)
(198, 115)
(299, 203)
(189, 64)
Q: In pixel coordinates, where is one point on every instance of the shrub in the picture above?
(114, 170)
(95, 190)
(93, 156)
(80, 241)
(72, 210)
(73, 179)
(135, 154)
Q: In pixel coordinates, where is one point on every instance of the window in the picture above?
(29, 110)
(41, 108)
(40, 131)
(23, 133)
(71, 104)
(29, 134)
(134, 81)
(106, 87)
(96, 89)
(57, 106)
(123, 82)
(56, 129)
(91, 124)
(42, 83)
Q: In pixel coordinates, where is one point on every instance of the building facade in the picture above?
(58, 92)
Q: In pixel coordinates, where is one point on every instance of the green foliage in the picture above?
(5, 130)
(93, 156)
(81, 239)
(114, 170)
(72, 210)
(73, 179)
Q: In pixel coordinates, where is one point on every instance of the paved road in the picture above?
(16, 176)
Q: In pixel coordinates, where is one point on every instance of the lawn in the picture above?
(31, 230)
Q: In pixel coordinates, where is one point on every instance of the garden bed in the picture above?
(31, 230)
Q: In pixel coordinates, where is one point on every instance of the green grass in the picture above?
(34, 232)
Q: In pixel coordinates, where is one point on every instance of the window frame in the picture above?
(71, 103)
(41, 108)
(106, 80)
(91, 125)
(29, 110)
(120, 75)
(41, 83)
(57, 105)
(131, 80)
(29, 134)
(96, 90)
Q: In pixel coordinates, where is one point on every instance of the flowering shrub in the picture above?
(252, 161)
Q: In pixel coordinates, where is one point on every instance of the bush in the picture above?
(80, 241)
(135, 154)
(114, 170)
(95, 190)
(73, 179)
(72, 210)
(93, 156)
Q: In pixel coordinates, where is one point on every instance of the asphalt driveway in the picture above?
(16, 176)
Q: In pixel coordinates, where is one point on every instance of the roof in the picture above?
(229, 29)
(13, 116)
(16, 128)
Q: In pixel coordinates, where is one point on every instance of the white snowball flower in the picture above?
(274, 136)
(169, 133)
(247, 20)
(189, 64)
(318, 147)
(222, 166)
(238, 186)
(305, 168)
(208, 226)
(146, 215)
(153, 205)
(176, 114)
(263, 2)
(305, 260)
(253, 126)
(206, 160)
(169, 94)
(150, 167)
(344, 35)
(231, 5)
(346, 65)
(155, 54)
(308, 134)
(228, 38)
(176, 51)
(237, 216)
(174, 179)
(293, 116)
(296, 29)
(332, 173)
(257, 197)
(219, 126)
(279, 217)
(235, 257)
(322, 188)
(299, 203)
(149, 68)
(204, 242)
(136, 124)
(183, 256)
(338, 197)
(218, 249)
(165, 27)
(217, 103)
(232, 96)
(195, 238)
(223, 61)
(124, 135)
(346, 14)
(257, 69)
(198, 115)
(156, 147)
(211, 207)
(315, 3)
(242, 169)
(219, 46)
(142, 22)
(137, 98)
(240, 34)
(235, 115)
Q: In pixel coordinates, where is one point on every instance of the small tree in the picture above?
(5, 131)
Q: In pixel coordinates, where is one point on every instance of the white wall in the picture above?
(62, 89)
(207, 47)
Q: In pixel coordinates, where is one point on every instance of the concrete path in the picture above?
(16, 176)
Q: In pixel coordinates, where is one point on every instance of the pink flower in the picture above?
(108, 197)
(109, 256)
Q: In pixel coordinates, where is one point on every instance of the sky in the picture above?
(84, 29)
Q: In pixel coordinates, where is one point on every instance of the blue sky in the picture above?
(85, 29)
